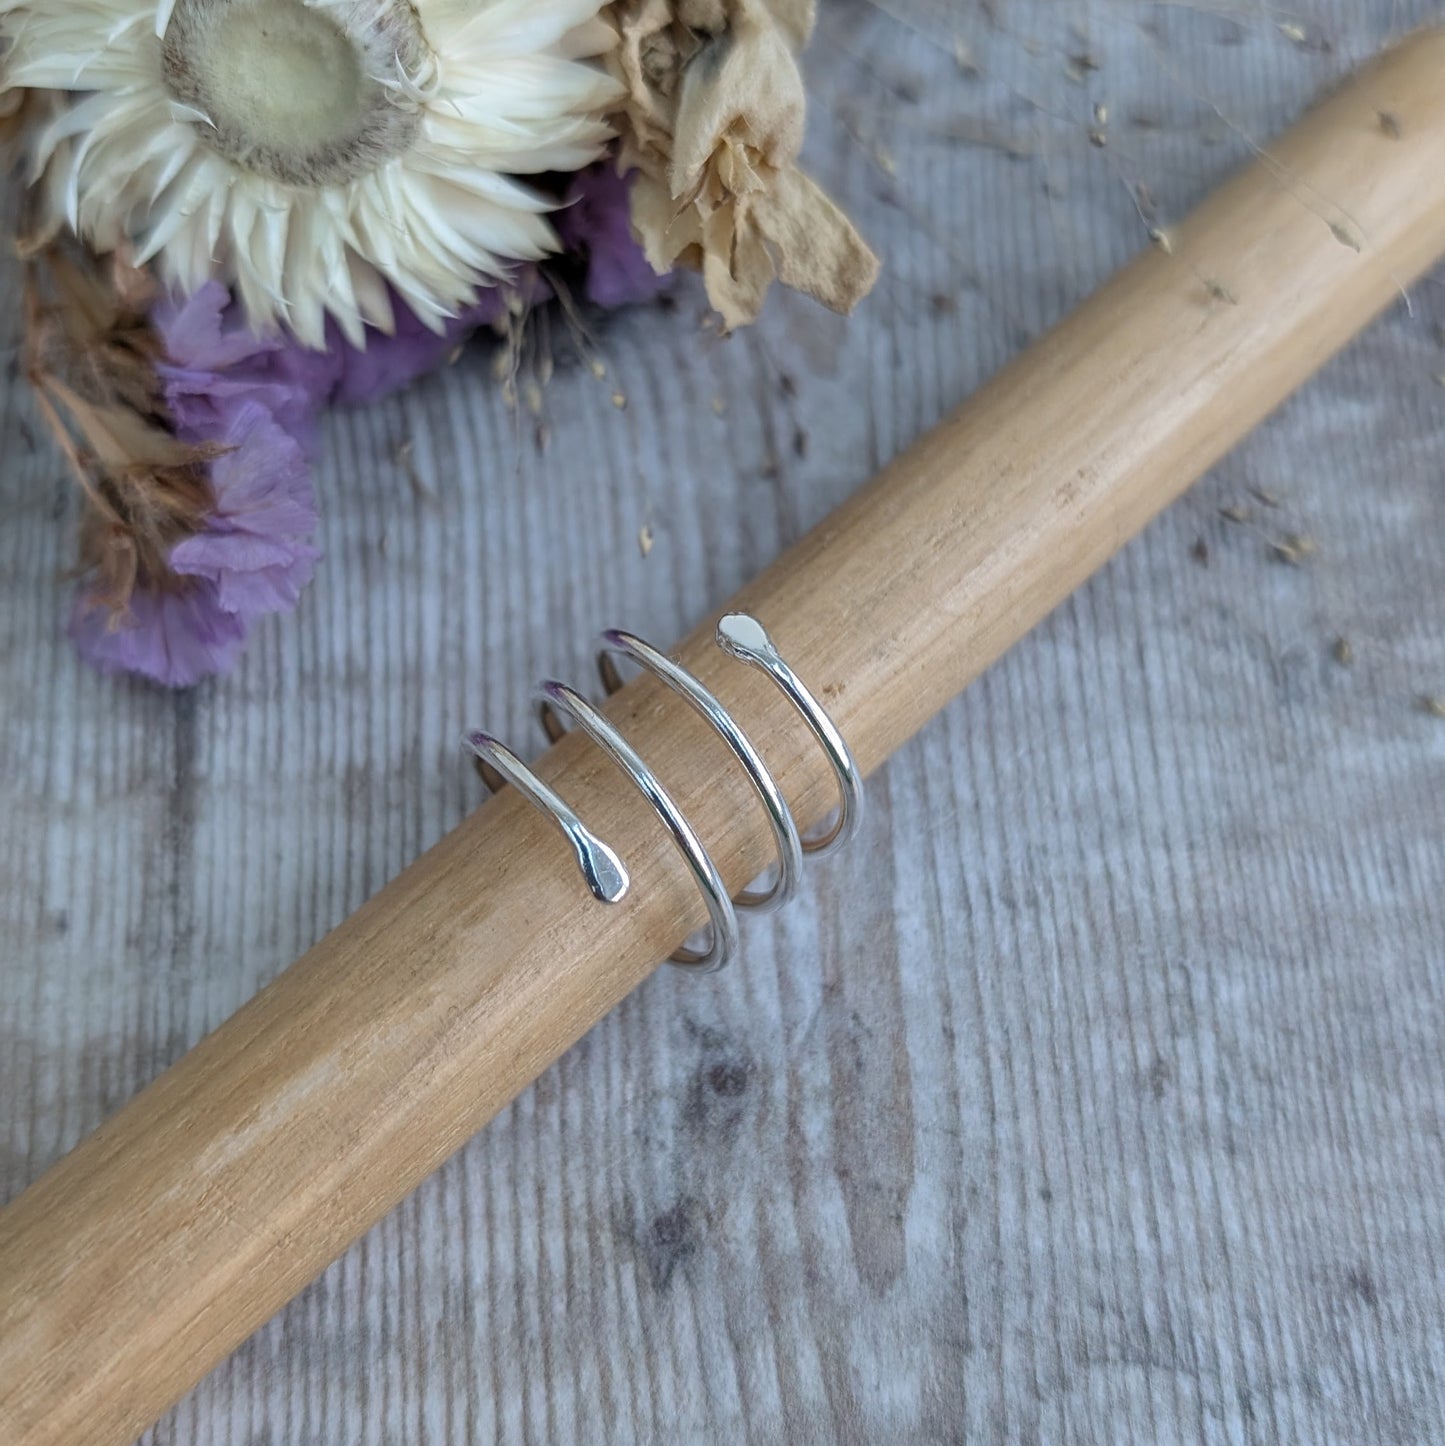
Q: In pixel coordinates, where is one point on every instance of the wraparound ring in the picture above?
(555, 698)
(785, 832)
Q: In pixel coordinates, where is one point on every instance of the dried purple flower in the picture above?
(596, 224)
(213, 360)
(213, 364)
(175, 637)
(255, 546)
(251, 557)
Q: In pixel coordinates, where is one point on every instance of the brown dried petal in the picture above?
(713, 121)
(91, 355)
(744, 88)
(817, 248)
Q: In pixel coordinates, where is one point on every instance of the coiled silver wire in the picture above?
(741, 637)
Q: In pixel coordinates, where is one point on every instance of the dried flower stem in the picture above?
(91, 355)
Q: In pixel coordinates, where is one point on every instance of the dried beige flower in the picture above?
(713, 121)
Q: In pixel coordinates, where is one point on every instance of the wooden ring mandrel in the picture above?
(188, 1219)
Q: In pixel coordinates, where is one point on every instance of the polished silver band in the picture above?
(605, 873)
(744, 638)
(614, 642)
(554, 698)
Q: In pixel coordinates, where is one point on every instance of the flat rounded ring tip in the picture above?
(605, 873)
(743, 637)
(557, 698)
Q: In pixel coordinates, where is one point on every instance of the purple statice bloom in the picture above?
(255, 548)
(596, 225)
(214, 365)
(252, 557)
(257, 398)
(174, 637)
(213, 360)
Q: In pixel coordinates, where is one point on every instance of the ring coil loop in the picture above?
(741, 637)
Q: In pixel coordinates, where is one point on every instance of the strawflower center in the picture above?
(290, 90)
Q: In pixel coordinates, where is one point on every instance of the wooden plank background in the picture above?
(1098, 1095)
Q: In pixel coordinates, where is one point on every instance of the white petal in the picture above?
(508, 93)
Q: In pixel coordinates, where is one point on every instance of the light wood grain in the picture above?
(848, 1278)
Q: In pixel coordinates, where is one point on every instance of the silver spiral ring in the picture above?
(741, 637)
(554, 698)
(785, 832)
(605, 873)
(744, 638)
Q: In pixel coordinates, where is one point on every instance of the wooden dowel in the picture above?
(146, 1255)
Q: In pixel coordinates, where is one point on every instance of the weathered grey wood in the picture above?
(1097, 1096)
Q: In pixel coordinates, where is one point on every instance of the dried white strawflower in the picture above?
(313, 151)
